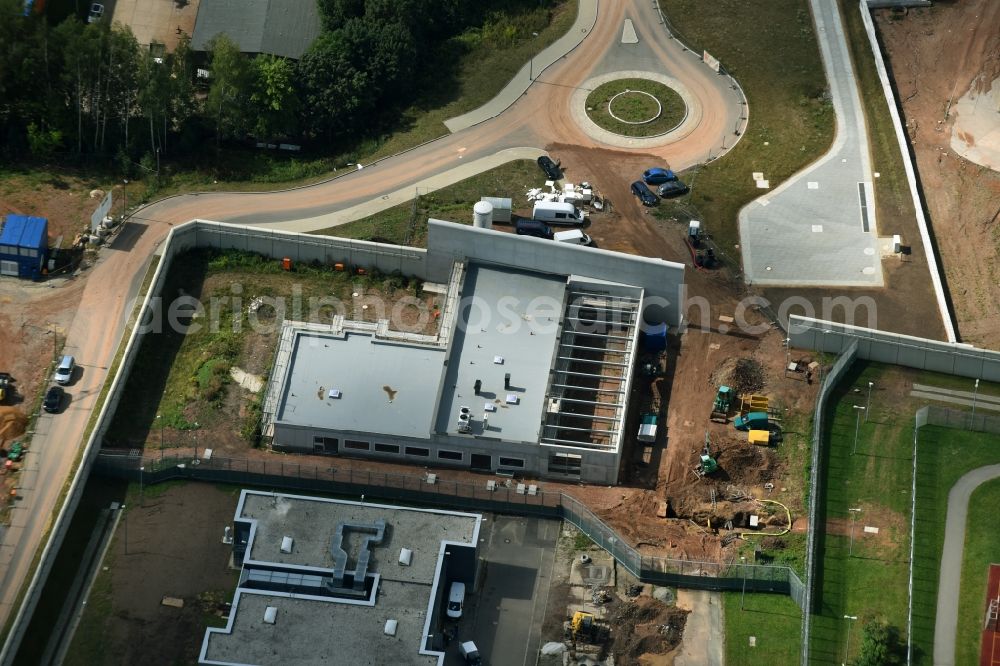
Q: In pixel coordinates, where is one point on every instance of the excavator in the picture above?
(706, 463)
(721, 406)
(584, 626)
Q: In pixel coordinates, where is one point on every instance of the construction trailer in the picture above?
(24, 243)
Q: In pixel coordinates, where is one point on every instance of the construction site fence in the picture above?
(418, 488)
(817, 482)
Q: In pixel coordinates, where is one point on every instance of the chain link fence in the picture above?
(959, 420)
(510, 497)
(817, 481)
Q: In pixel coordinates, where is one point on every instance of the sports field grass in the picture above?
(775, 622)
(982, 548)
(870, 578)
(943, 456)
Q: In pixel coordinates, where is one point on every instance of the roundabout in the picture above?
(635, 109)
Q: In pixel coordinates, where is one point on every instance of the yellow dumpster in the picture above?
(760, 437)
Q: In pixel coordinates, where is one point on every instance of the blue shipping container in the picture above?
(24, 243)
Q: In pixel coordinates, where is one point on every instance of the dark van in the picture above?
(533, 228)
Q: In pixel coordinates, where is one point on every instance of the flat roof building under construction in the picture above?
(528, 373)
(342, 583)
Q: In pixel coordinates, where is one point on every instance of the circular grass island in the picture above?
(636, 107)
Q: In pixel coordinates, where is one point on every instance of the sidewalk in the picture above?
(586, 18)
(406, 194)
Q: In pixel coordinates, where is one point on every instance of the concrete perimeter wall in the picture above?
(951, 358)
(911, 177)
(663, 281)
(300, 247)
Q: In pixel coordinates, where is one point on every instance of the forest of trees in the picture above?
(90, 90)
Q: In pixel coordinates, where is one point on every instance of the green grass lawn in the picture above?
(771, 49)
(635, 108)
(775, 622)
(406, 224)
(869, 579)
(944, 455)
(982, 548)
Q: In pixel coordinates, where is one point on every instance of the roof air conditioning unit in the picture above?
(270, 615)
(390, 627)
(405, 556)
(286, 544)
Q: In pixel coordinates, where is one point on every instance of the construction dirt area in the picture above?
(936, 56)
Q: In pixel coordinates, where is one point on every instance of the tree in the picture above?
(229, 87)
(274, 98)
(880, 645)
(337, 94)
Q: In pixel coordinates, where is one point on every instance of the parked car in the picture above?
(456, 600)
(574, 236)
(533, 228)
(551, 169)
(53, 399)
(672, 188)
(64, 371)
(658, 175)
(645, 194)
(96, 12)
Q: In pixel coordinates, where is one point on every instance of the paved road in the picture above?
(540, 117)
(812, 230)
(705, 631)
(949, 582)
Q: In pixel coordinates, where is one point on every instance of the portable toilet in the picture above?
(24, 243)
(655, 338)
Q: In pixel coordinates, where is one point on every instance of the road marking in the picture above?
(863, 198)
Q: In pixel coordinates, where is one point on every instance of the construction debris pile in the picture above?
(584, 195)
(646, 626)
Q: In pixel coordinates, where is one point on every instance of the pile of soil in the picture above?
(645, 626)
(12, 423)
(742, 375)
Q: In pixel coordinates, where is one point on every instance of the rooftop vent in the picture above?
(405, 556)
(334, 394)
(286, 544)
(270, 614)
(390, 627)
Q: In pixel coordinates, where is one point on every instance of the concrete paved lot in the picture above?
(504, 617)
(818, 228)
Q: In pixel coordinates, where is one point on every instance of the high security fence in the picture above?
(960, 420)
(817, 481)
(504, 498)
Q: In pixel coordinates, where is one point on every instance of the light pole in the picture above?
(857, 425)
(142, 470)
(975, 394)
(124, 198)
(743, 594)
(159, 419)
(847, 651)
(125, 518)
(854, 514)
(196, 440)
(868, 404)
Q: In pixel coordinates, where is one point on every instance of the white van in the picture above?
(556, 212)
(456, 600)
(572, 236)
(64, 371)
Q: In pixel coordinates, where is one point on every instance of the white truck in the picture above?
(575, 236)
(558, 213)
(470, 653)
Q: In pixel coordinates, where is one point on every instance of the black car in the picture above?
(673, 188)
(645, 195)
(534, 228)
(550, 168)
(53, 399)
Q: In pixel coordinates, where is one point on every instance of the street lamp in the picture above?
(868, 404)
(124, 198)
(975, 394)
(857, 425)
(854, 513)
(159, 419)
(743, 595)
(125, 518)
(142, 470)
(847, 652)
(196, 440)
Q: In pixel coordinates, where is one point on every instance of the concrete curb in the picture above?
(932, 261)
(405, 194)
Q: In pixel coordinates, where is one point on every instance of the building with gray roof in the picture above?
(285, 28)
(528, 373)
(341, 583)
